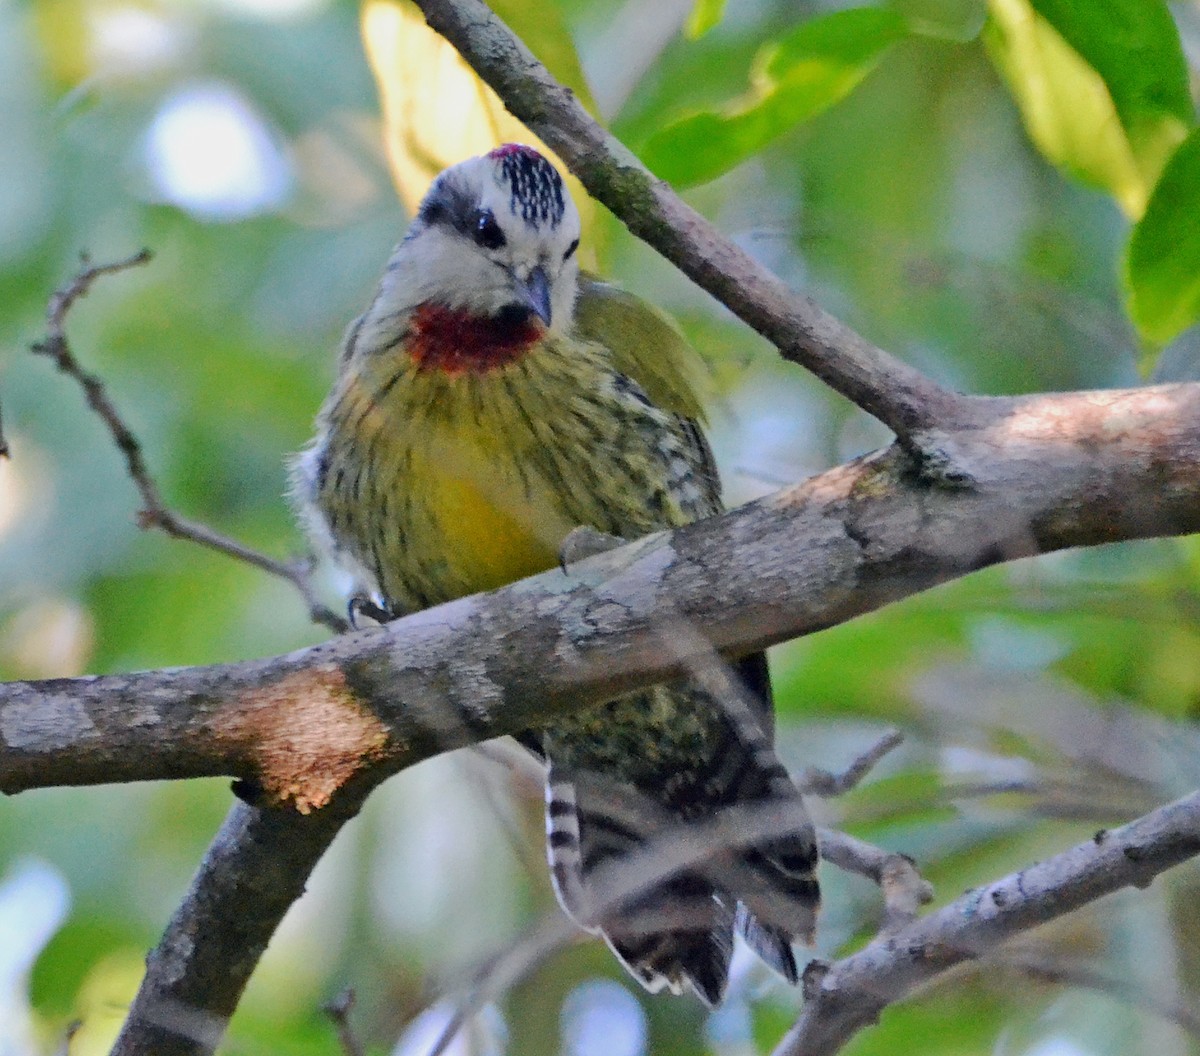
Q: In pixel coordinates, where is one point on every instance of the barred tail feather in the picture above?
(671, 933)
(773, 945)
(678, 935)
(667, 872)
(562, 848)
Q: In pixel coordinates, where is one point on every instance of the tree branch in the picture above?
(1048, 472)
(319, 727)
(843, 998)
(1066, 973)
(898, 395)
(254, 870)
(154, 512)
(338, 1010)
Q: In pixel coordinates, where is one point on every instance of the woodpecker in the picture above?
(491, 399)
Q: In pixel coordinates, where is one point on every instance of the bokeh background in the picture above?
(241, 141)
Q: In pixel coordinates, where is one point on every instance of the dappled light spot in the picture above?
(33, 904)
(48, 638)
(602, 1018)
(211, 154)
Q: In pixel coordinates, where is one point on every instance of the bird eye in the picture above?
(570, 251)
(487, 231)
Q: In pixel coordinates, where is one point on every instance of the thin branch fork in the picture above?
(155, 513)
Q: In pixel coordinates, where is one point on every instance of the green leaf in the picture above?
(793, 79)
(705, 15)
(1134, 45)
(1102, 87)
(960, 21)
(1162, 264)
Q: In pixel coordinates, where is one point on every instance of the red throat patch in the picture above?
(457, 342)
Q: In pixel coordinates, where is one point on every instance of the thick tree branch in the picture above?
(1047, 472)
(843, 998)
(254, 870)
(319, 727)
(898, 395)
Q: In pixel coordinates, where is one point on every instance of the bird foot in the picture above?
(361, 606)
(583, 542)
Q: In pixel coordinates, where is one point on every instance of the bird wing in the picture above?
(645, 344)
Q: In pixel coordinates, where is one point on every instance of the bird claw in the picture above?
(583, 542)
(361, 605)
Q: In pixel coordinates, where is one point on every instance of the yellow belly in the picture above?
(493, 523)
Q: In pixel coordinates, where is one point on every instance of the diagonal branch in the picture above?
(842, 998)
(1082, 976)
(254, 870)
(1050, 472)
(897, 394)
(154, 512)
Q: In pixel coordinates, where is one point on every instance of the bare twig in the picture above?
(338, 1010)
(904, 889)
(64, 1047)
(506, 756)
(154, 512)
(898, 395)
(818, 782)
(504, 970)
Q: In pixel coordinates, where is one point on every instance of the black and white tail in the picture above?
(667, 883)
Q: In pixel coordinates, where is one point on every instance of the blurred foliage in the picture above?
(795, 78)
(961, 190)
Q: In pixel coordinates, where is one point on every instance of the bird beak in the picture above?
(535, 291)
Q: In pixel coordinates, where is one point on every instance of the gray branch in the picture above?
(1045, 472)
(842, 998)
(318, 728)
(254, 870)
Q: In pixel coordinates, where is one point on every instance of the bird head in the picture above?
(495, 238)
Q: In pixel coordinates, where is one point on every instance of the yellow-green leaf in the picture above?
(1101, 87)
(1162, 264)
(436, 110)
(705, 15)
